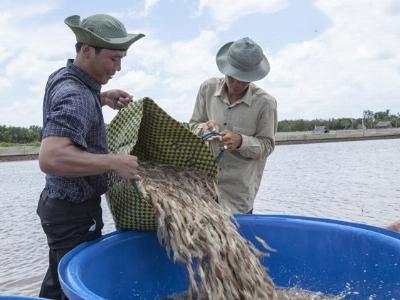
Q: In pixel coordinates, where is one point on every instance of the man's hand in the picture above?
(116, 99)
(210, 126)
(126, 166)
(230, 140)
(394, 226)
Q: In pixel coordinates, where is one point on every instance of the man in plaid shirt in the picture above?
(74, 153)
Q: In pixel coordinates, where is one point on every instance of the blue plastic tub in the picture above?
(329, 256)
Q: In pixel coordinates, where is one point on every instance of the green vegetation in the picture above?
(370, 120)
(2, 144)
(10, 135)
(13, 136)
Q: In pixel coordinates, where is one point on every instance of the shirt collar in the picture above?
(221, 92)
(83, 76)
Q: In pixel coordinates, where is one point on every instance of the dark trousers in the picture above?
(66, 225)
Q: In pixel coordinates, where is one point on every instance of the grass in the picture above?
(4, 144)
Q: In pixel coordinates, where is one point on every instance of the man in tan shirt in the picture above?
(245, 115)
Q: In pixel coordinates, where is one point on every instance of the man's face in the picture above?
(105, 64)
(235, 86)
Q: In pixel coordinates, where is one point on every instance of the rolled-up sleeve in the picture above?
(199, 116)
(262, 144)
(69, 116)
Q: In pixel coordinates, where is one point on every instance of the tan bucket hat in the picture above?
(243, 60)
(102, 31)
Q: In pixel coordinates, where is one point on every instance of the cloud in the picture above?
(27, 56)
(148, 5)
(134, 80)
(183, 58)
(138, 11)
(4, 84)
(354, 65)
(16, 11)
(4, 54)
(28, 66)
(191, 62)
(28, 46)
(172, 72)
(23, 113)
(226, 12)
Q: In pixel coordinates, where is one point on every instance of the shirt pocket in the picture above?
(245, 131)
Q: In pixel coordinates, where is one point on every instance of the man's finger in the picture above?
(126, 99)
(123, 102)
(123, 94)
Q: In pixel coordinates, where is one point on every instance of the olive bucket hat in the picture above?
(243, 60)
(102, 31)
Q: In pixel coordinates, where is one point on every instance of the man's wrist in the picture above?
(110, 162)
(102, 98)
(241, 141)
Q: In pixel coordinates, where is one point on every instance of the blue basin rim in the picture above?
(360, 236)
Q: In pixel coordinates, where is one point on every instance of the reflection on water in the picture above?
(353, 181)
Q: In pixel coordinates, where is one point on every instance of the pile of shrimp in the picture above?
(193, 227)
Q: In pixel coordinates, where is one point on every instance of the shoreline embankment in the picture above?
(16, 153)
(306, 137)
(282, 138)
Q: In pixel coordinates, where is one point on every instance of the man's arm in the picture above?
(60, 156)
(199, 116)
(262, 144)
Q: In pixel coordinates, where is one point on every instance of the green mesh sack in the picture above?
(143, 129)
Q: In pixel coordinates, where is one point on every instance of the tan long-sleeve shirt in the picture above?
(254, 116)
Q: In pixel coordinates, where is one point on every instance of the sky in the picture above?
(329, 59)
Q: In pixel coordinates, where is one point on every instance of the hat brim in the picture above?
(226, 68)
(85, 36)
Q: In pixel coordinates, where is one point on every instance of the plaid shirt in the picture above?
(72, 108)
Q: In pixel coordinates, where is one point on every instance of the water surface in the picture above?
(353, 181)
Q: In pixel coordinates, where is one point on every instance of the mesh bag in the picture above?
(145, 130)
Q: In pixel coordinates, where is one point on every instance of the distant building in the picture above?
(383, 124)
(320, 129)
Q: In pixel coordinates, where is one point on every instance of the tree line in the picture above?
(369, 120)
(22, 135)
